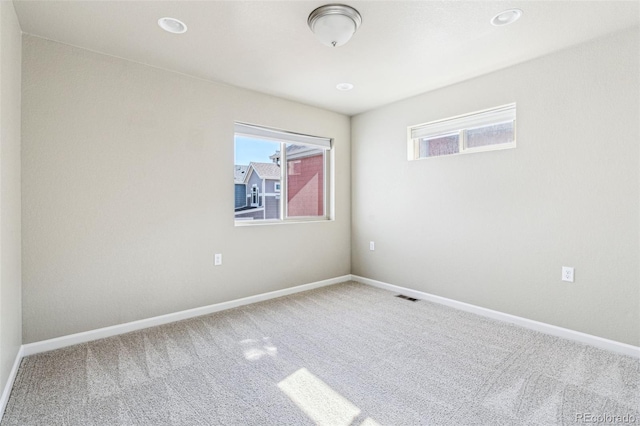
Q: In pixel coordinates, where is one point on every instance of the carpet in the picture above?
(347, 354)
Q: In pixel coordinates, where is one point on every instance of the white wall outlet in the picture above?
(217, 260)
(372, 245)
(567, 273)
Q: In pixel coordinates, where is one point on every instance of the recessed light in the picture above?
(172, 25)
(344, 86)
(507, 17)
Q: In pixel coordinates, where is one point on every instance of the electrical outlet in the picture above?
(217, 260)
(372, 245)
(567, 273)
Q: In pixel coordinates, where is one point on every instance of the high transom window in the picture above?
(486, 130)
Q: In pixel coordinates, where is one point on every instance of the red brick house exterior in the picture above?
(305, 181)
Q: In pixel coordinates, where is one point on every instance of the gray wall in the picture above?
(494, 229)
(240, 195)
(127, 193)
(10, 245)
(270, 186)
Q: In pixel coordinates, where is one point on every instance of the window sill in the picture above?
(243, 223)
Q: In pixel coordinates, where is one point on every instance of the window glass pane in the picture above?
(256, 179)
(485, 130)
(490, 135)
(305, 181)
(440, 145)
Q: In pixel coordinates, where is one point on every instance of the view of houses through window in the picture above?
(278, 180)
(486, 130)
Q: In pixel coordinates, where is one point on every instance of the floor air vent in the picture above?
(411, 299)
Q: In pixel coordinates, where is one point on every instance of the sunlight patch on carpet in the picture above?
(255, 349)
(318, 401)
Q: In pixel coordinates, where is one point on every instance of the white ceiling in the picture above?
(402, 48)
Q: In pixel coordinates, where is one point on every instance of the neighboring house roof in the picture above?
(239, 173)
(264, 170)
(275, 157)
(297, 151)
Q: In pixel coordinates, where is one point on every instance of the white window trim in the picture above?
(268, 133)
(459, 125)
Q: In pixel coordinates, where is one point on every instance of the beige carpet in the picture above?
(348, 354)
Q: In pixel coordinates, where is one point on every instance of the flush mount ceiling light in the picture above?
(334, 24)
(507, 17)
(172, 25)
(344, 86)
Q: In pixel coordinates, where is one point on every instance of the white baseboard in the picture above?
(114, 330)
(87, 336)
(599, 342)
(6, 392)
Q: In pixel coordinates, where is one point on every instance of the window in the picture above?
(487, 130)
(255, 196)
(286, 175)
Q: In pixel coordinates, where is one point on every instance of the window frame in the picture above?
(285, 138)
(460, 125)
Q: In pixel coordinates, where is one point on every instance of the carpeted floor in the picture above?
(347, 354)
